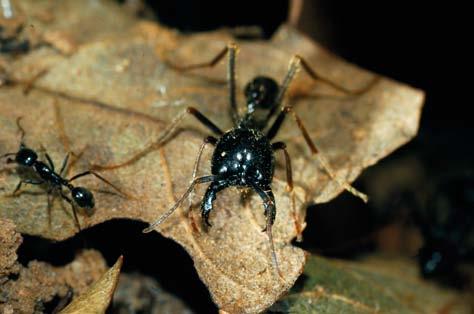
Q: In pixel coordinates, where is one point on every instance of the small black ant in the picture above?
(28, 158)
(244, 155)
(446, 222)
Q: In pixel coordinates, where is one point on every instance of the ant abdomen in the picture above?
(84, 199)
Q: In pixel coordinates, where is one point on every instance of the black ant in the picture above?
(244, 155)
(80, 196)
(447, 225)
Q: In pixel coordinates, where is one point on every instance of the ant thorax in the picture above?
(244, 157)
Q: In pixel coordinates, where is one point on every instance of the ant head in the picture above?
(437, 259)
(26, 157)
(83, 198)
(261, 93)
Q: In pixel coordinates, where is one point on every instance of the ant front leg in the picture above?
(289, 173)
(164, 136)
(26, 181)
(50, 161)
(230, 49)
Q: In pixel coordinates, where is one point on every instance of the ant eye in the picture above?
(26, 157)
(83, 198)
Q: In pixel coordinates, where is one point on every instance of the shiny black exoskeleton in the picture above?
(447, 225)
(27, 157)
(243, 157)
(45, 174)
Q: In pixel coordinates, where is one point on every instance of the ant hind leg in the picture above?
(230, 49)
(74, 210)
(165, 136)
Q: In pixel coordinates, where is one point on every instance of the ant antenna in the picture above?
(179, 202)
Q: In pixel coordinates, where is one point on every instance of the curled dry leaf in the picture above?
(26, 289)
(374, 285)
(97, 298)
(116, 93)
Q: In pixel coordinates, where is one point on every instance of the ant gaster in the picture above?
(244, 155)
(28, 158)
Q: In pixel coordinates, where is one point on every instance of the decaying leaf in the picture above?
(138, 293)
(97, 298)
(374, 285)
(116, 94)
(27, 289)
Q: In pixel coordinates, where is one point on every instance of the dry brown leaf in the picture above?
(97, 298)
(117, 95)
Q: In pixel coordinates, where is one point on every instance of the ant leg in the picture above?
(64, 165)
(90, 172)
(65, 141)
(314, 150)
(50, 161)
(64, 301)
(289, 173)
(179, 202)
(270, 213)
(9, 160)
(231, 49)
(30, 83)
(74, 211)
(50, 206)
(60, 125)
(208, 140)
(296, 63)
(299, 61)
(26, 181)
(289, 180)
(164, 136)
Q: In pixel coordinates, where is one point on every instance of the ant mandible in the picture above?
(82, 197)
(244, 155)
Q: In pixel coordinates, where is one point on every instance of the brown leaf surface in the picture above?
(97, 298)
(117, 94)
(23, 289)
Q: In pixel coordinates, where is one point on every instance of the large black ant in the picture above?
(244, 155)
(45, 174)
